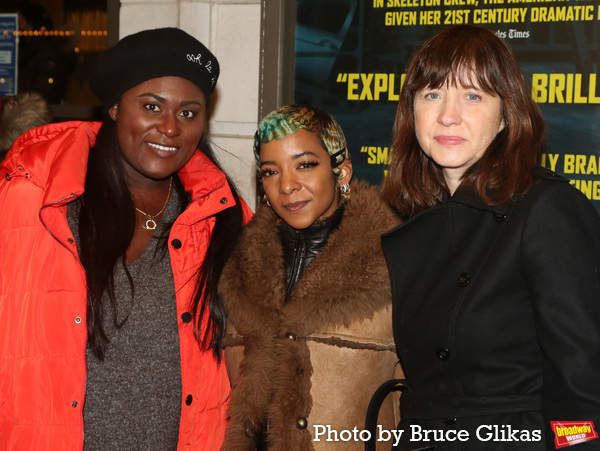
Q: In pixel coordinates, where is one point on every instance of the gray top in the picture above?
(133, 398)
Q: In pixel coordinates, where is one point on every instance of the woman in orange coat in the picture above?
(112, 238)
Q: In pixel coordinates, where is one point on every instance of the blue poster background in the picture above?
(8, 54)
(351, 55)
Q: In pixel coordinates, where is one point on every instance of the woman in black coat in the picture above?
(496, 271)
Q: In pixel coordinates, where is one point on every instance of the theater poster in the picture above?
(8, 54)
(351, 56)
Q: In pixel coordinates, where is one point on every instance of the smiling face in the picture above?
(455, 125)
(298, 179)
(159, 125)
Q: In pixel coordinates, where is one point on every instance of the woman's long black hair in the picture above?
(106, 227)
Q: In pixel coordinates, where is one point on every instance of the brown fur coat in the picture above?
(316, 359)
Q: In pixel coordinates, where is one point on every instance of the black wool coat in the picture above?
(496, 314)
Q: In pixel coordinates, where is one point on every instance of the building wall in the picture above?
(231, 30)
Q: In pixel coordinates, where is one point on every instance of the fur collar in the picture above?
(344, 282)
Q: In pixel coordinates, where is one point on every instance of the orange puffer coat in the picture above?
(43, 295)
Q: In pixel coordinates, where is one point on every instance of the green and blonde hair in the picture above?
(288, 119)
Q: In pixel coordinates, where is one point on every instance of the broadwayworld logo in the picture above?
(567, 433)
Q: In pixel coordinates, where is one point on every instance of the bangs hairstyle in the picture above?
(288, 119)
(472, 57)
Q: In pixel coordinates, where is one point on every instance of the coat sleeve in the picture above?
(561, 257)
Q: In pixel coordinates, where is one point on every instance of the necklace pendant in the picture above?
(150, 224)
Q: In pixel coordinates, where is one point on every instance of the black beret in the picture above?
(162, 52)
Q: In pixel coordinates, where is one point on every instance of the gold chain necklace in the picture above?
(150, 223)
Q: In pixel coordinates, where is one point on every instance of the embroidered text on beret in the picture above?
(161, 52)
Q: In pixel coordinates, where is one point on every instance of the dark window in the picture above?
(58, 41)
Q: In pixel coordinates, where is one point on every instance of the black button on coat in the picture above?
(524, 332)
